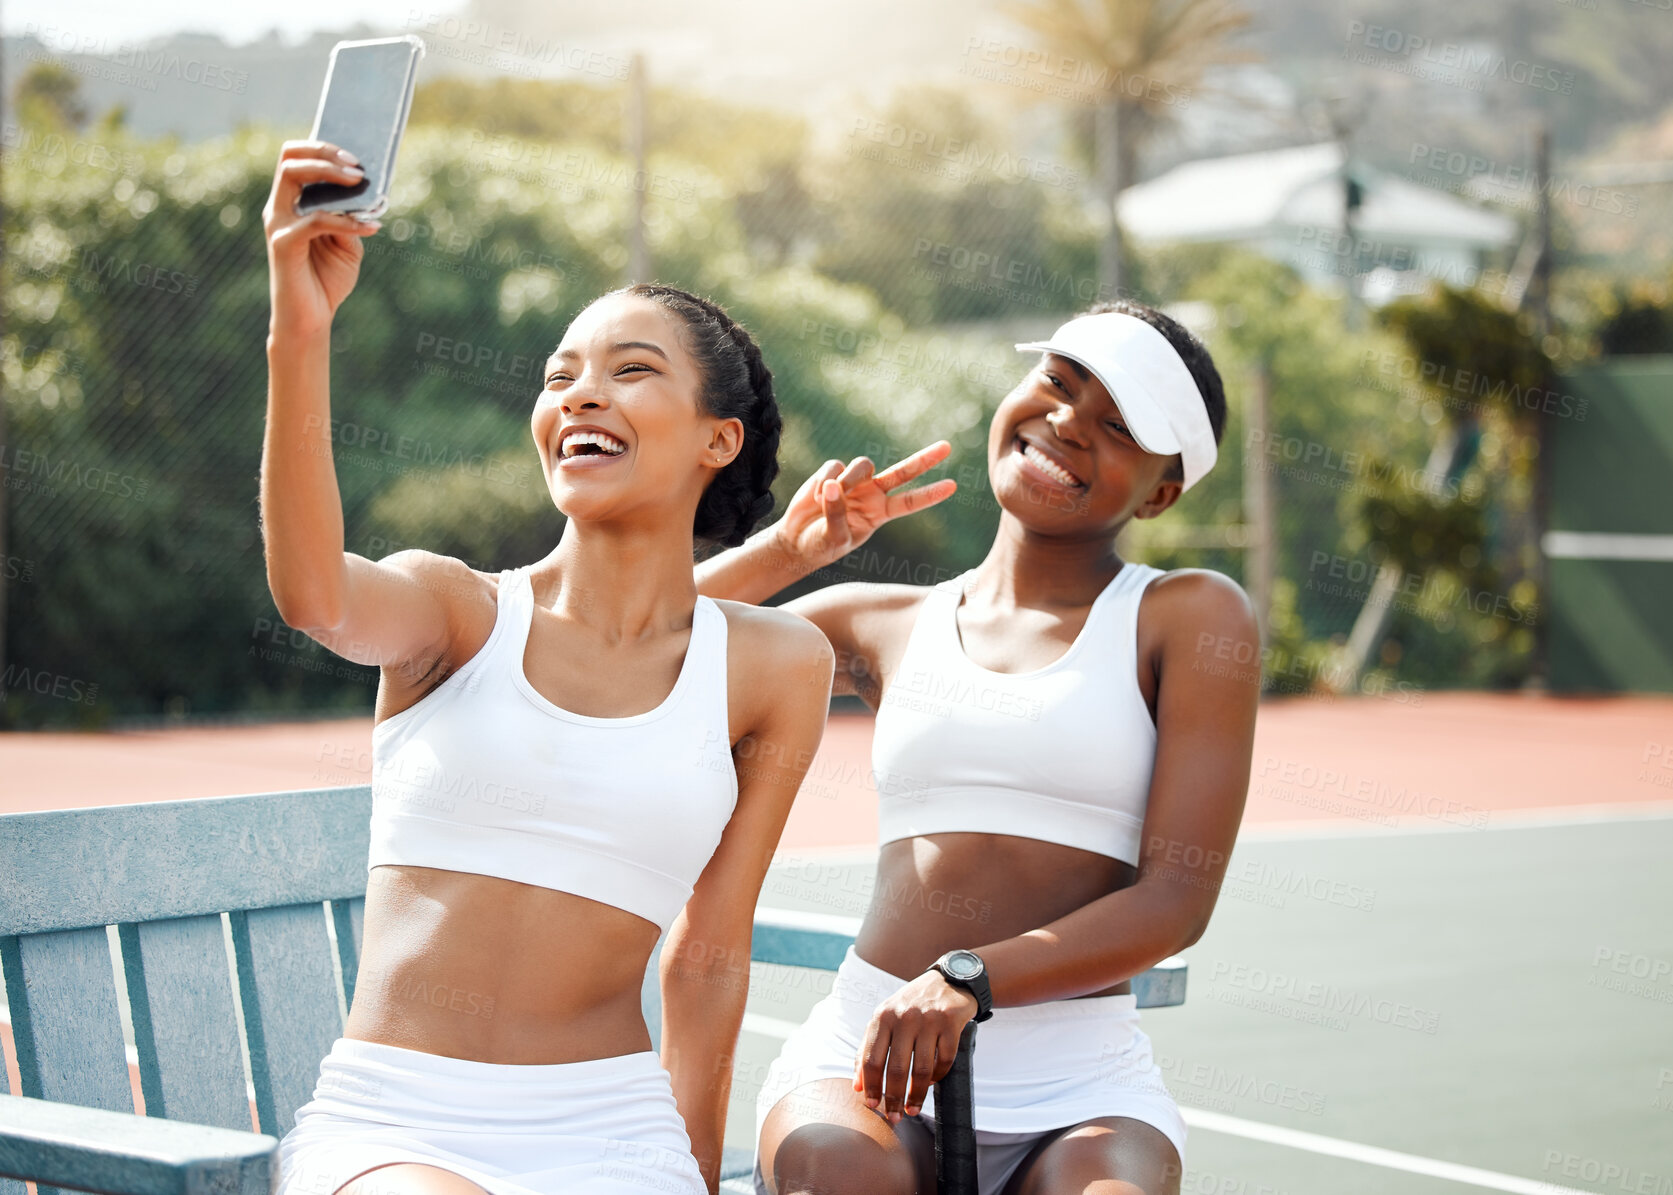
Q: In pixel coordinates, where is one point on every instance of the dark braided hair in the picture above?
(1191, 350)
(736, 385)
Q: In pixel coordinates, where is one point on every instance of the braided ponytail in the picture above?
(736, 385)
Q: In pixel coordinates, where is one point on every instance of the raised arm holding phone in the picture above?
(555, 747)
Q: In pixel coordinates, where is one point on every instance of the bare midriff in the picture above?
(491, 970)
(942, 892)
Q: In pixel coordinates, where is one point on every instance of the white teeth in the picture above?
(1050, 467)
(608, 443)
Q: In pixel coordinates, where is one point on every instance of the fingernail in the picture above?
(346, 156)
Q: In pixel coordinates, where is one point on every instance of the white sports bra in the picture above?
(1062, 753)
(485, 775)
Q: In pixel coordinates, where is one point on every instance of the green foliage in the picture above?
(880, 269)
(1641, 322)
(927, 206)
(1459, 332)
(135, 320)
(49, 97)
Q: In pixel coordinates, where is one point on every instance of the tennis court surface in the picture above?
(1442, 961)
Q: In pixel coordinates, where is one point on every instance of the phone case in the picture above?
(369, 199)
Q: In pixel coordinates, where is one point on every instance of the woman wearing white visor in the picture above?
(1061, 756)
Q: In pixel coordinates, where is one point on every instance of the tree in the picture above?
(49, 95)
(1141, 58)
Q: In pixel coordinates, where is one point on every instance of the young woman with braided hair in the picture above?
(554, 777)
(1061, 754)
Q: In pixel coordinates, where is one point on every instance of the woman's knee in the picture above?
(1108, 1156)
(409, 1178)
(830, 1159)
(821, 1140)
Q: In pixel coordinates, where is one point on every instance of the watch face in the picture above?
(964, 964)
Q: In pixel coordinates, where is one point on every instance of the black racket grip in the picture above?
(955, 1136)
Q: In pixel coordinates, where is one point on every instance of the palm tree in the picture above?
(1145, 55)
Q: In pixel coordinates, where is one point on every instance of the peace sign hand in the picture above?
(837, 509)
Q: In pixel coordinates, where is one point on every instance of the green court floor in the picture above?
(1392, 1013)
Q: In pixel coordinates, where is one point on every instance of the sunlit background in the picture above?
(1427, 243)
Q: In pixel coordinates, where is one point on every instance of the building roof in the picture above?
(1248, 196)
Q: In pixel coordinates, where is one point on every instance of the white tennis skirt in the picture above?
(1037, 1067)
(604, 1126)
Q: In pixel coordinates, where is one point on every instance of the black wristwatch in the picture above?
(964, 969)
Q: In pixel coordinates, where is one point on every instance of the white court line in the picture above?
(1606, 545)
(1371, 1155)
(1254, 1130)
(1509, 819)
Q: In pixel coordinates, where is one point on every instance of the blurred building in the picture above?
(1293, 205)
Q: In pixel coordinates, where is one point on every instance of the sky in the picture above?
(234, 21)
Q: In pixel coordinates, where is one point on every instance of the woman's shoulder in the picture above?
(771, 632)
(860, 599)
(779, 653)
(1196, 599)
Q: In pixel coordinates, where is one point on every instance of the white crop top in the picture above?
(485, 775)
(1062, 753)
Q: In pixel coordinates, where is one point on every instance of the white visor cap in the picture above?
(1154, 391)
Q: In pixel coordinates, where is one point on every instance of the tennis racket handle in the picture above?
(955, 1136)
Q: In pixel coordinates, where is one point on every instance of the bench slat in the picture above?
(66, 1026)
(246, 852)
(8, 1186)
(185, 1028)
(796, 939)
(291, 1012)
(92, 1150)
(347, 918)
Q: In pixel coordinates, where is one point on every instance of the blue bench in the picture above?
(238, 921)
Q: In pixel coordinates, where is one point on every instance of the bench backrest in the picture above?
(238, 922)
(278, 864)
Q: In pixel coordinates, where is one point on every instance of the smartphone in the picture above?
(363, 109)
